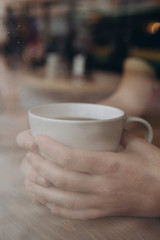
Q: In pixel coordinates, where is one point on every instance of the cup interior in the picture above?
(96, 112)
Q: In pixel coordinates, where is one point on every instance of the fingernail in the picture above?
(41, 180)
(29, 144)
(42, 201)
(54, 209)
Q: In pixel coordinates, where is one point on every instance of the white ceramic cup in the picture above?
(101, 134)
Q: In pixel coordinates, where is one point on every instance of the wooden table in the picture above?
(72, 89)
(20, 219)
(99, 82)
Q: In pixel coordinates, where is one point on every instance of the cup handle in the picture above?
(148, 128)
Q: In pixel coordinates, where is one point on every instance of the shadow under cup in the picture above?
(92, 127)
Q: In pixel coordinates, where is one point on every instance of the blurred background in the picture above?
(69, 50)
(99, 34)
(64, 51)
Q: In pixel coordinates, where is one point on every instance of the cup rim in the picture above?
(31, 113)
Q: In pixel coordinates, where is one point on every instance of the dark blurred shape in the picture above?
(104, 32)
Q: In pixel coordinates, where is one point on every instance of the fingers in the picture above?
(62, 178)
(70, 200)
(129, 139)
(126, 138)
(30, 173)
(134, 143)
(26, 141)
(74, 159)
(82, 214)
(37, 200)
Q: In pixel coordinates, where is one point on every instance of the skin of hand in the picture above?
(137, 73)
(84, 185)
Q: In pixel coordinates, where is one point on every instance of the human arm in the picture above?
(134, 93)
(94, 184)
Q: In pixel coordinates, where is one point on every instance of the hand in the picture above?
(26, 141)
(94, 184)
